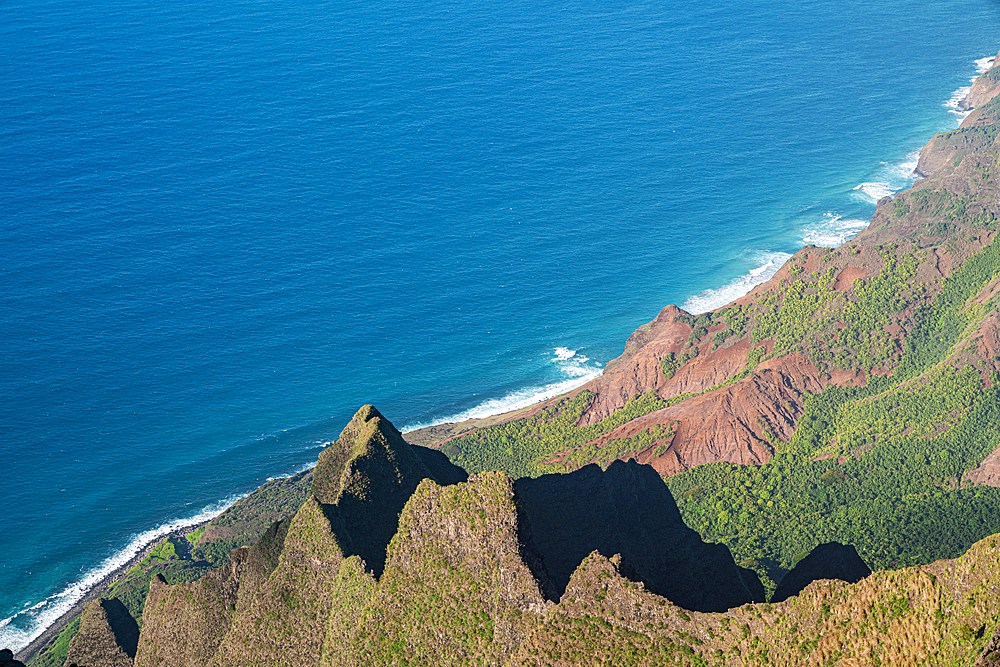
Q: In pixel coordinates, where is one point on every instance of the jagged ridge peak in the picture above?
(364, 479)
(369, 436)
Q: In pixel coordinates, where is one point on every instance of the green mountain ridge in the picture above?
(464, 583)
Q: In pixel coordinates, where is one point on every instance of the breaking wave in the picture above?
(577, 369)
(711, 299)
(832, 231)
(25, 626)
(954, 103)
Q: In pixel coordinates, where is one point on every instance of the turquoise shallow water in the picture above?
(224, 226)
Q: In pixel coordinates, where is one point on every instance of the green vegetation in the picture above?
(194, 536)
(54, 654)
(896, 451)
(164, 551)
(592, 640)
(878, 466)
(133, 586)
(249, 517)
(527, 447)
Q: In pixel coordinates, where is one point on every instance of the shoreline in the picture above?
(34, 647)
(435, 434)
(422, 436)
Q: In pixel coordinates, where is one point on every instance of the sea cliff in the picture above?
(853, 398)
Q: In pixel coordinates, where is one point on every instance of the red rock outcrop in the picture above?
(731, 423)
(637, 370)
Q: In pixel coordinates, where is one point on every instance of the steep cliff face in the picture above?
(184, 624)
(493, 571)
(273, 600)
(471, 568)
(371, 454)
(107, 637)
(947, 149)
(285, 621)
(463, 583)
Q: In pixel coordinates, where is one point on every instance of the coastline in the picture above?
(41, 641)
(429, 434)
(959, 105)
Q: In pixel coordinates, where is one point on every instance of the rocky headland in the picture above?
(842, 417)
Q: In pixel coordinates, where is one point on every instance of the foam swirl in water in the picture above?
(576, 368)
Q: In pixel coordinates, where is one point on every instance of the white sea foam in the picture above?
(982, 64)
(303, 467)
(25, 626)
(713, 298)
(564, 353)
(875, 190)
(572, 365)
(904, 170)
(832, 231)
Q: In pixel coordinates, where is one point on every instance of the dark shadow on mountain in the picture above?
(123, 626)
(364, 479)
(628, 510)
(827, 561)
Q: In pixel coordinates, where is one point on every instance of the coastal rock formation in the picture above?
(983, 89)
(493, 571)
(946, 149)
(827, 561)
(472, 567)
(639, 369)
(185, 623)
(107, 637)
(627, 510)
(272, 600)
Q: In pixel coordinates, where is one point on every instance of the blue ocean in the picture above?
(224, 226)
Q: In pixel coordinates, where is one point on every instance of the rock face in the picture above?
(107, 637)
(946, 149)
(369, 474)
(827, 561)
(271, 603)
(983, 89)
(184, 624)
(628, 510)
(733, 423)
(463, 582)
(471, 568)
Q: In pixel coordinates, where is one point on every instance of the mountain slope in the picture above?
(466, 582)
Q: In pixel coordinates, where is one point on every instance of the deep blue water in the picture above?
(225, 226)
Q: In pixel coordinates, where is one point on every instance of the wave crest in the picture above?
(25, 626)
(571, 364)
